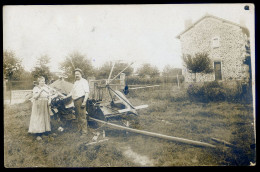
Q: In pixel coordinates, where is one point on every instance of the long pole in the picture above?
(120, 72)
(55, 90)
(178, 139)
(111, 72)
(72, 63)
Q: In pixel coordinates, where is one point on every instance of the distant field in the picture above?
(169, 113)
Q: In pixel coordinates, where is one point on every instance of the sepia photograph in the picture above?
(129, 85)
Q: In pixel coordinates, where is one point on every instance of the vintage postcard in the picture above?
(163, 85)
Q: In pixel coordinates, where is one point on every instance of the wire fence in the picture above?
(15, 91)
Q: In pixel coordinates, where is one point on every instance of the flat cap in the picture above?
(79, 70)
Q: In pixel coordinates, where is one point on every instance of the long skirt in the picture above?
(40, 117)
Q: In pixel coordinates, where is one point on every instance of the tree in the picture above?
(26, 75)
(247, 60)
(104, 71)
(11, 65)
(200, 63)
(42, 68)
(77, 60)
(169, 71)
(148, 70)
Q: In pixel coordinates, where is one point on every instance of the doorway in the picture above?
(217, 69)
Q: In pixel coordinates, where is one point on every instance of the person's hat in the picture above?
(78, 69)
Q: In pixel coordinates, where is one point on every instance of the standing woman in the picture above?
(40, 117)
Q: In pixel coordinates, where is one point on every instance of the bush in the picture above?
(213, 91)
(194, 92)
(216, 91)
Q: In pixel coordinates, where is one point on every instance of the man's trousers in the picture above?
(81, 115)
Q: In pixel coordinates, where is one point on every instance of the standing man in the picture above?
(79, 94)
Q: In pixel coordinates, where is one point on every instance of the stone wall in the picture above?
(231, 50)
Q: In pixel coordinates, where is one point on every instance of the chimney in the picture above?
(187, 23)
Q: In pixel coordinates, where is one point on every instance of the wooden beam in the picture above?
(178, 139)
(223, 142)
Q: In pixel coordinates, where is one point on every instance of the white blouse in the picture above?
(44, 94)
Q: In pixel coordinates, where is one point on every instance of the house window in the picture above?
(215, 42)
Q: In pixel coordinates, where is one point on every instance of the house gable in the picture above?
(244, 29)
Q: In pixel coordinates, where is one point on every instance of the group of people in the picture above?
(40, 116)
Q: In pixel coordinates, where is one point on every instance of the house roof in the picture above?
(244, 29)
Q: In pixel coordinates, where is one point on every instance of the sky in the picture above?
(130, 33)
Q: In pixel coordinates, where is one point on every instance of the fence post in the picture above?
(178, 80)
(10, 91)
(122, 80)
(91, 87)
(5, 90)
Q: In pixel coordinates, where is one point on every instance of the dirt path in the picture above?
(136, 158)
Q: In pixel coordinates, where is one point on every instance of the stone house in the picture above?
(224, 41)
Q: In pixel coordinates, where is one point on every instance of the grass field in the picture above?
(169, 112)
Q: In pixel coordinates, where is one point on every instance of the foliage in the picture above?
(77, 60)
(42, 68)
(25, 82)
(104, 71)
(169, 71)
(170, 74)
(136, 80)
(26, 75)
(11, 65)
(247, 59)
(200, 63)
(211, 91)
(148, 70)
(216, 91)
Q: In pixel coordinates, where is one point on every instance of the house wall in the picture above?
(231, 50)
